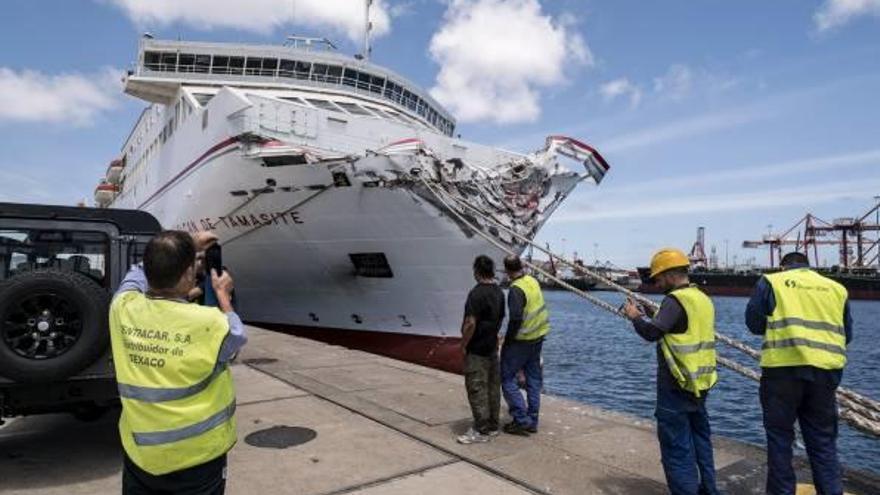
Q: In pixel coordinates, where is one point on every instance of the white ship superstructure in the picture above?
(318, 173)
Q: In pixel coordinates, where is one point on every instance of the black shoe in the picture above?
(514, 428)
(532, 429)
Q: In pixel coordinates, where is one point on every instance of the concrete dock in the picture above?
(315, 419)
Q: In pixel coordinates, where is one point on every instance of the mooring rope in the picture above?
(858, 411)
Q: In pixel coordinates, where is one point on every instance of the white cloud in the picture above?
(621, 88)
(496, 55)
(676, 83)
(262, 16)
(836, 13)
(74, 99)
(706, 203)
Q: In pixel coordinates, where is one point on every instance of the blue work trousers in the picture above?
(525, 356)
(814, 405)
(685, 444)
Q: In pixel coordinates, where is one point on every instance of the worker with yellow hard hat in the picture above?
(684, 330)
(806, 323)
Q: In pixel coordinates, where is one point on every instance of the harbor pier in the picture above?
(315, 419)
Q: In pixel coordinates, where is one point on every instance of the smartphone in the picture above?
(213, 260)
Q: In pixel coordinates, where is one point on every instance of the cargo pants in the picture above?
(483, 384)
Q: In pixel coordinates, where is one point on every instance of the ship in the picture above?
(860, 276)
(335, 186)
(861, 284)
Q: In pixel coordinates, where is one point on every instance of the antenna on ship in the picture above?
(368, 28)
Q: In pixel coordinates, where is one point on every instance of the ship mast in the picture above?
(368, 28)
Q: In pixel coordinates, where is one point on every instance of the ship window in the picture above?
(203, 64)
(303, 69)
(393, 92)
(334, 74)
(354, 109)
(169, 62)
(410, 100)
(152, 60)
(363, 81)
(287, 68)
(319, 72)
(270, 65)
(326, 105)
(236, 64)
(350, 78)
(371, 265)
(254, 66)
(221, 65)
(186, 62)
(376, 84)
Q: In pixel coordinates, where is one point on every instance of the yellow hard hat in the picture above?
(666, 259)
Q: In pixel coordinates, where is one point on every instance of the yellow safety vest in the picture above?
(690, 356)
(536, 318)
(806, 327)
(178, 401)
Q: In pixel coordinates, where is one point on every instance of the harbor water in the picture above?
(597, 358)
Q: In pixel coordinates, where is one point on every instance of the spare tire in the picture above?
(53, 323)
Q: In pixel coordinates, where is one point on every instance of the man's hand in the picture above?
(204, 240)
(463, 348)
(223, 286)
(631, 310)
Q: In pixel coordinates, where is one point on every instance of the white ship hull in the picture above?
(294, 191)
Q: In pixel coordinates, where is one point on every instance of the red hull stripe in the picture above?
(404, 141)
(442, 353)
(190, 168)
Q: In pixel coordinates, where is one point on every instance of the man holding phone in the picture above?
(171, 359)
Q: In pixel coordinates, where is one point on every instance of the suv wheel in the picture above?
(53, 323)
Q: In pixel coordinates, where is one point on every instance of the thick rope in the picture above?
(857, 410)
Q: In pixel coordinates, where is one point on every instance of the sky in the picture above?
(739, 116)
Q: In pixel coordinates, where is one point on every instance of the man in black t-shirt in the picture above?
(483, 313)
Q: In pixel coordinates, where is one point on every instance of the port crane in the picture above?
(848, 234)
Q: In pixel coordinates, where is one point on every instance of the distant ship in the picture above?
(332, 183)
(860, 283)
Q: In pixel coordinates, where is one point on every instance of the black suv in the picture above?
(59, 267)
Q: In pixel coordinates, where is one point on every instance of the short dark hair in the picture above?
(795, 257)
(513, 264)
(484, 267)
(167, 257)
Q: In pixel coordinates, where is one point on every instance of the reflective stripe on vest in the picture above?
(806, 327)
(157, 394)
(690, 356)
(536, 317)
(187, 432)
(178, 401)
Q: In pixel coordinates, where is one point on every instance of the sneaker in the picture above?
(514, 428)
(532, 429)
(472, 436)
(493, 433)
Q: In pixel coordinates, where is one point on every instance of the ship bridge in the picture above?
(303, 63)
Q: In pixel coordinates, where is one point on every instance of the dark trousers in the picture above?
(205, 479)
(483, 383)
(525, 356)
(814, 405)
(686, 451)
